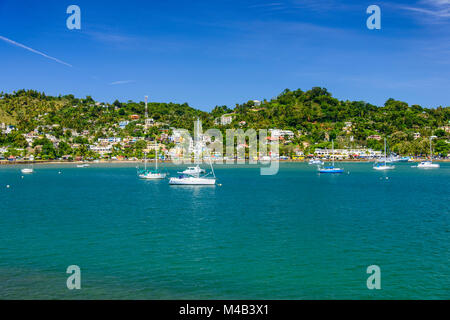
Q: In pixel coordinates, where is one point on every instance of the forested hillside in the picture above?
(315, 116)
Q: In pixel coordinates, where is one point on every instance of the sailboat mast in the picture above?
(197, 142)
(332, 151)
(385, 155)
(212, 169)
(431, 151)
(145, 160)
(145, 129)
(156, 155)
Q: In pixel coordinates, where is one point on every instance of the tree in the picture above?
(140, 144)
(442, 147)
(64, 149)
(440, 133)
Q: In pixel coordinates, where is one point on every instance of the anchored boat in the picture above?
(331, 169)
(380, 166)
(316, 161)
(27, 170)
(429, 164)
(194, 177)
(152, 174)
(194, 170)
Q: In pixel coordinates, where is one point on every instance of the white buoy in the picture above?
(7, 186)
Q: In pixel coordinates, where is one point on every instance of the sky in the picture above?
(209, 53)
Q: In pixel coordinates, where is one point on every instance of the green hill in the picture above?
(315, 117)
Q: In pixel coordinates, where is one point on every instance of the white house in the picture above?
(375, 137)
(277, 133)
(149, 122)
(108, 140)
(101, 149)
(257, 103)
(224, 119)
(123, 124)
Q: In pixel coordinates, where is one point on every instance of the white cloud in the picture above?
(434, 8)
(437, 2)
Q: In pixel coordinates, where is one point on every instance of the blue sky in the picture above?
(211, 53)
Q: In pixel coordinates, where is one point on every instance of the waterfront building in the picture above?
(347, 153)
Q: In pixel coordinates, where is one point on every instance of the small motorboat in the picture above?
(27, 170)
(193, 170)
(428, 165)
(316, 161)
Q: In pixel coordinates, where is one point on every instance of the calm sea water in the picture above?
(295, 235)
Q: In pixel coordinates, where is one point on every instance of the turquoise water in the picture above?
(295, 235)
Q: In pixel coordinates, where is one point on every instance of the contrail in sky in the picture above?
(121, 82)
(34, 51)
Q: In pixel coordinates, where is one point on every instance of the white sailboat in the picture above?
(331, 169)
(429, 164)
(152, 174)
(379, 166)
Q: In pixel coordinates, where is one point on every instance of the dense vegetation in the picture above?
(314, 116)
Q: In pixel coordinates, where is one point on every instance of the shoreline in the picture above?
(47, 162)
